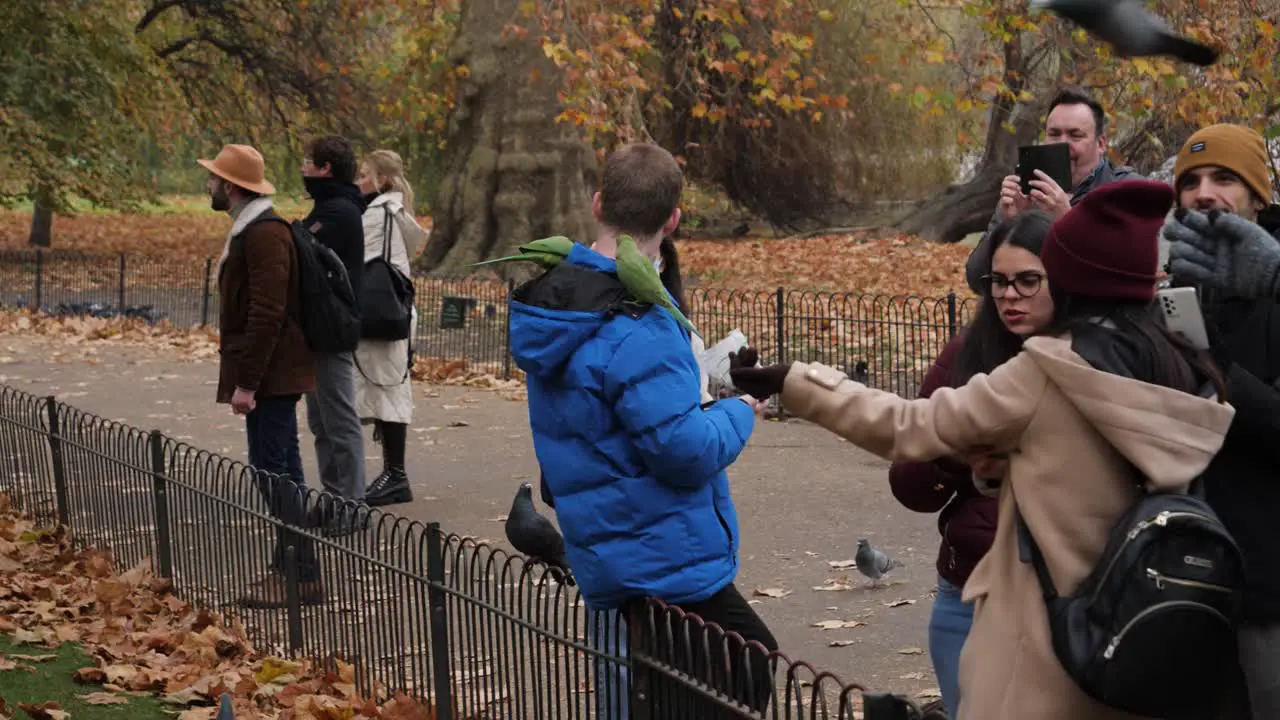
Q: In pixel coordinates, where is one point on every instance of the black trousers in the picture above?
(726, 666)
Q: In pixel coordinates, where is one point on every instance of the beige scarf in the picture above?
(248, 214)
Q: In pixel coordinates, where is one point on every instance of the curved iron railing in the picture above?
(478, 631)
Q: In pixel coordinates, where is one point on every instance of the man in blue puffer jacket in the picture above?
(635, 465)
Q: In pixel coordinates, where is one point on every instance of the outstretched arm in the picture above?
(989, 410)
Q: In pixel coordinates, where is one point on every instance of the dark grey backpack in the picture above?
(1152, 630)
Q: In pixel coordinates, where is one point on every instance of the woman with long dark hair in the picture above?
(1105, 390)
(1015, 305)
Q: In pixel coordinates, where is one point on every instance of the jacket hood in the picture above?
(554, 315)
(1169, 435)
(414, 235)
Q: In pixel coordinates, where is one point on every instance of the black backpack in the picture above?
(330, 315)
(386, 295)
(1152, 629)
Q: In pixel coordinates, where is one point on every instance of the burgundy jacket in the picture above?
(968, 519)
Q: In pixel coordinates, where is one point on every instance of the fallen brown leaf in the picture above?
(772, 592)
(102, 698)
(838, 624)
(834, 586)
(44, 711)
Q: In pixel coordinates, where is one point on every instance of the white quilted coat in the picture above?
(380, 393)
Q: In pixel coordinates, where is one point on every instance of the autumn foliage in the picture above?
(144, 639)
(177, 245)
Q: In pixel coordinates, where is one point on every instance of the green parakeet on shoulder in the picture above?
(641, 279)
(547, 252)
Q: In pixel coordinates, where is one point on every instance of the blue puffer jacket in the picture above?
(636, 466)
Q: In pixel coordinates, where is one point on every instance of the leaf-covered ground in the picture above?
(188, 233)
(140, 639)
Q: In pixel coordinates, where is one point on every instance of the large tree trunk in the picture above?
(41, 225)
(511, 172)
(965, 208)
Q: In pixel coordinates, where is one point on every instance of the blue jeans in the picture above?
(607, 632)
(948, 627)
(272, 432)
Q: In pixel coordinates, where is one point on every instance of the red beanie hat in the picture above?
(1107, 246)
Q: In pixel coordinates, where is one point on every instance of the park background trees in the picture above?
(799, 114)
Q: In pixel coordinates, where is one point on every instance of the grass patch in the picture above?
(52, 680)
(177, 204)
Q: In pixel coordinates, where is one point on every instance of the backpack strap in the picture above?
(1029, 552)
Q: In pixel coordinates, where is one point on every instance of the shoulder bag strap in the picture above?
(386, 236)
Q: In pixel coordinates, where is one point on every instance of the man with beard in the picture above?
(1078, 120)
(329, 171)
(264, 364)
(1223, 178)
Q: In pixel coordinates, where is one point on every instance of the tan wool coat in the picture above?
(1072, 432)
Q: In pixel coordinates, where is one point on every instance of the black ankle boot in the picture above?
(389, 488)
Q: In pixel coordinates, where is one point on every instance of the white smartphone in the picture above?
(1182, 315)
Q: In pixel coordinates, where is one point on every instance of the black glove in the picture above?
(760, 382)
(747, 357)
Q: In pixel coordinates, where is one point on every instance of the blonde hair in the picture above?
(388, 170)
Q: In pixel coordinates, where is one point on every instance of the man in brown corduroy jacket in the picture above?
(265, 365)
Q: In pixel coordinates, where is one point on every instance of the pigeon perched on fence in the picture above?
(1130, 28)
(871, 562)
(535, 536)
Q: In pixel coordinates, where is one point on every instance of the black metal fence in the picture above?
(893, 339)
(470, 628)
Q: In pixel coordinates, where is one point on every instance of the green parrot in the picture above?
(640, 278)
(635, 270)
(547, 252)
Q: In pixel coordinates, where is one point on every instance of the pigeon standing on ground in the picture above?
(535, 536)
(1130, 28)
(871, 562)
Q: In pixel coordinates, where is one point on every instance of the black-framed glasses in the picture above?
(1026, 283)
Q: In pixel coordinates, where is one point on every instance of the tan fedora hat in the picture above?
(242, 165)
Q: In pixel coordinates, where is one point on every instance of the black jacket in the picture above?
(336, 221)
(1242, 483)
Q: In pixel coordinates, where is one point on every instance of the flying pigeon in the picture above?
(1130, 28)
(535, 536)
(871, 562)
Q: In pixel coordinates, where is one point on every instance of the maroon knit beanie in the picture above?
(1107, 246)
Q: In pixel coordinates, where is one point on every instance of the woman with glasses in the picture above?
(1016, 304)
(1101, 404)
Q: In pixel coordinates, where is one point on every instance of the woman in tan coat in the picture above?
(1106, 389)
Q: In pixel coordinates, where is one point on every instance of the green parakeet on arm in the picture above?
(547, 252)
(641, 279)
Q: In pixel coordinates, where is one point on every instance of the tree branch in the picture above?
(155, 11)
